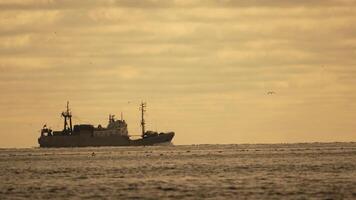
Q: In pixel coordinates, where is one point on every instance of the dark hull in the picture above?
(92, 141)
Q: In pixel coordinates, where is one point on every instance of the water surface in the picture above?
(277, 171)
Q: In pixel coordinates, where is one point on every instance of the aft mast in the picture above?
(143, 123)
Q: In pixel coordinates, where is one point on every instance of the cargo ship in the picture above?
(114, 134)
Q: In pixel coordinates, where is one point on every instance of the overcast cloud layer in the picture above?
(205, 68)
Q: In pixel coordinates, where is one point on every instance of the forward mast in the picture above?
(67, 115)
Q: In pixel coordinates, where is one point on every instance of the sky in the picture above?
(206, 68)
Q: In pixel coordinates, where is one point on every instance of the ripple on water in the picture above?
(281, 171)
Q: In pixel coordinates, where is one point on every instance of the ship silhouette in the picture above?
(115, 134)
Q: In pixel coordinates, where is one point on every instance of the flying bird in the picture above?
(271, 92)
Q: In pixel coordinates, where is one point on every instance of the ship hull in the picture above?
(92, 141)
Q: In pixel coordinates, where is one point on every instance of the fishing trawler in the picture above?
(114, 134)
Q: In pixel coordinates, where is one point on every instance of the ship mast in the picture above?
(67, 115)
(143, 110)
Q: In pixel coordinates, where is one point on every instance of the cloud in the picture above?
(122, 72)
(211, 58)
(153, 4)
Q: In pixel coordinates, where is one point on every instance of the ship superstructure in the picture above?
(114, 127)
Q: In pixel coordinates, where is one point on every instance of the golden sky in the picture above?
(204, 67)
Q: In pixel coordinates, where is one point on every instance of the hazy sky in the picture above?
(204, 67)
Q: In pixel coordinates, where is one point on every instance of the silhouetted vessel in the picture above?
(115, 134)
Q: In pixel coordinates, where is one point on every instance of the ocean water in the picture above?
(262, 171)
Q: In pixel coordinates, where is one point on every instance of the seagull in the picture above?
(271, 92)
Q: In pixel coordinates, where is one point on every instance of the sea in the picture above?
(235, 171)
